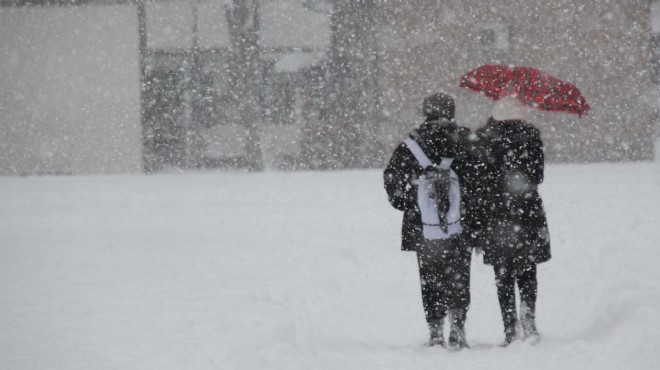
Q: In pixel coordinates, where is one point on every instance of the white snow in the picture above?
(277, 270)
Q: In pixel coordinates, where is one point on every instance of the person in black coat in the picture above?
(517, 229)
(444, 265)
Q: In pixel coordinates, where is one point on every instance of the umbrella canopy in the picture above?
(529, 85)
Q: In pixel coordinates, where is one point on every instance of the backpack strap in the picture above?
(422, 158)
(417, 151)
(446, 163)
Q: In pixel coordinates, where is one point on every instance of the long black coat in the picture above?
(438, 139)
(512, 208)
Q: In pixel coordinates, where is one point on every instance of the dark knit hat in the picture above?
(439, 105)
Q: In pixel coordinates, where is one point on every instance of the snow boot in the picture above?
(528, 323)
(509, 336)
(437, 337)
(457, 339)
(510, 332)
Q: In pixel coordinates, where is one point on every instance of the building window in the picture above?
(323, 6)
(491, 37)
(486, 38)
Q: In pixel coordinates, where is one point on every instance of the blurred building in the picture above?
(654, 95)
(112, 86)
(116, 86)
(69, 90)
(195, 114)
(600, 46)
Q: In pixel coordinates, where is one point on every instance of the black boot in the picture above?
(457, 339)
(437, 337)
(528, 321)
(509, 336)
(510, 324)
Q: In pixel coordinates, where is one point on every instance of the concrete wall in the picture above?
(69, 90)
(602, 47)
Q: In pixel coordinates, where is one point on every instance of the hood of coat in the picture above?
(438, 138)
(501, 135)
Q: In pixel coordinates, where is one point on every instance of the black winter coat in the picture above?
(512, 208)
(438, 139)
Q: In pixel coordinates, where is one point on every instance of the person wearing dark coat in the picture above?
(517, 229)
(444, 265)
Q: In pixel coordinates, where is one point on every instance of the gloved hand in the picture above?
(432, 172)
(414, 179)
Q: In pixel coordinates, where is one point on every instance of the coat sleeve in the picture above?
(535, 163)
(473, 191)
(401, 168)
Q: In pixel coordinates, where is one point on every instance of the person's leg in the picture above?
(506, 295)
(456, 280)
(430, 267)
(456, 274)
(528, 285)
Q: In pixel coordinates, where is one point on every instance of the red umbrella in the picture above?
(531, 86)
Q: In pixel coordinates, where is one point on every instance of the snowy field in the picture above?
(221, 270)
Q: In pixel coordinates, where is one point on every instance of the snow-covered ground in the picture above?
(225, 270)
